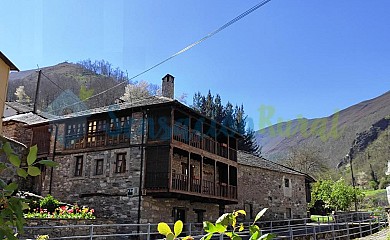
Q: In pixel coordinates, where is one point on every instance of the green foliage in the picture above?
(336, 195)
(49, 203)
(11, 207)
(323, 219)
(384, 182)
(226, 224)
(42, 237)
(85, 93)
(374, 184)
(229, 116)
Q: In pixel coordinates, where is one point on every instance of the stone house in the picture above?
(5, 67)
(155, 159)
(263, 183)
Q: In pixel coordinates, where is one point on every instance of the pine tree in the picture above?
(218, 109)
(235, 119)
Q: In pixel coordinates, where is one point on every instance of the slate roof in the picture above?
(18, 107)
(254, 161)
(27, 118)
(149, 101)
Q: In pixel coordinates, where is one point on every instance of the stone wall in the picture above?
(155, 210)
(107, 193)
(31, 231)
(17, 131)
(259, 188)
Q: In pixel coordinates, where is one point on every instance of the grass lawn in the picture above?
(369, 193)
(319, 218)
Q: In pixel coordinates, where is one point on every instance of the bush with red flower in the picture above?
(63, 212)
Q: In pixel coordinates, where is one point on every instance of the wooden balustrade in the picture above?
(180, 182)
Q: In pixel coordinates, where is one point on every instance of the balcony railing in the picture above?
(209, 188)
(202, 141)
(96, 139)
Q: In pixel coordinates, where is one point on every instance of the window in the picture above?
(199, 215)
(120, 164)
(287, 182)
(96, 133)
(184, 168)
(79, 166)
(288, 213)
(99, 167)
(74, 135)
(248, 207)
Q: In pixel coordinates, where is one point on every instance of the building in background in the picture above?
(5, 67)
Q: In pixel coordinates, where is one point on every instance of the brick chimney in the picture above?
(168, 86)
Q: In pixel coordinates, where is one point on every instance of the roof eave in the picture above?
(12, 66)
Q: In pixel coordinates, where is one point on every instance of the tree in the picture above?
(335, 195)
(307, 160)
(137, 91)
(11, 207)
(21, 95)
(229, 116)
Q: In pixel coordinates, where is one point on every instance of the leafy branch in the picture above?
(11, 207)
(226, 224)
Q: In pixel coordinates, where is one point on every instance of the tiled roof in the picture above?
(149, 101)
(27, 118)
(254, 161)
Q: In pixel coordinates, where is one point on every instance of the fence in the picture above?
(345, 226)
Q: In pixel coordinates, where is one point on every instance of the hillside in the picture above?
(67, 80)
(333, 142)
(370, 152)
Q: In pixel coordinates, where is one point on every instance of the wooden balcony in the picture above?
(158, 184)
(207, 188)
(198, 140)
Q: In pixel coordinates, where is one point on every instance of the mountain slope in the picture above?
(61, 78)
(333, 142)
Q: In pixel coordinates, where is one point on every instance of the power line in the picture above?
(211, 34)
(77, 99)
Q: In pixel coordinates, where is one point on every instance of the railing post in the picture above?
(190, 229)
(291, 233)
(148, 235)
(314, 233)
(271, 226)
(91, 232)
(305, 222)
(221, 236)
(347, 229)
(360, 229)
(333, 233)
(370, 227)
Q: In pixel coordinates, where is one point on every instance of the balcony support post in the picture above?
(201, 174)
(189, 172)
(228, 144)
(228, 181)
(215, 178)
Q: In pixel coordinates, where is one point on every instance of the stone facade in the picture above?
(163, 209)
(18, 131)
(260, 188)
(106, 191)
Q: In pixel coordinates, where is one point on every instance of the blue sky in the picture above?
(303, 58)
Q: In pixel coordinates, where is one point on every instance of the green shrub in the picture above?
(49, 203)
(384, 182)
(42, 237)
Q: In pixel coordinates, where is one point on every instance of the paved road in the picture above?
(382, 235)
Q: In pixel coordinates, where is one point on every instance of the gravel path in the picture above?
(382, 235)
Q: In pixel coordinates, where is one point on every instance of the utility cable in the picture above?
(211, 34)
